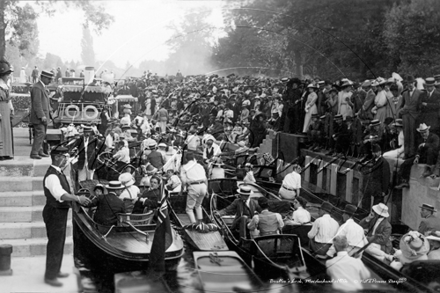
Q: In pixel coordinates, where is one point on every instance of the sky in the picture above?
(138, 33)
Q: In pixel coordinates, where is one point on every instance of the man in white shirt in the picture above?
(352, 231)
(123, 154)
(300, 216)
(348, 272)
(291, 183)
(323, 230)
(193, 176)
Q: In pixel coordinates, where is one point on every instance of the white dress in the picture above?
(310, 109)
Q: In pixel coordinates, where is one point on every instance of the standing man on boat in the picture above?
(323, 230)
(291, 183)
(429, 222)
(193, 176)
(58, 196)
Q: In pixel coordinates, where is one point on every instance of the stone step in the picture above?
(34, 246)
(23, 214)
(22, 198)
(22, 166)
(27, 230)
(8, 184)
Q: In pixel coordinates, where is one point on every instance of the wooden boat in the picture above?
(225, 271)
(206, 237)
(122, 247)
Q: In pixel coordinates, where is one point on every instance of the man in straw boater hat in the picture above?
(242, 206)
(109, 205)
(427, 152)
(353, 231)
(40, 113)
(410, 114)
(429, 222)
(55, 212)
(378, 231)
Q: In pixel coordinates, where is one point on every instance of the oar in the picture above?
(364, 247)
(326, 165)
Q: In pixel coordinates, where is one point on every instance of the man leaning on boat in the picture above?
(266, 222)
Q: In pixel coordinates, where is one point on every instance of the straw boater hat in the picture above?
(162, 145)
(374, 122)
(114, 185)
(126, 179)
(47, 74)
(423, 128)
(244, 189)
(366, 83)
(381, 209)
(428, 207)
(430, 81)
(127, 106)
(313, 86)
(398, 123)
(338, 117)
(152, 145)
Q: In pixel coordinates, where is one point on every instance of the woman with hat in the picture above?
(6, 111)
(394, 101)
(310, 108)
(344, 99)
(413, 247)
(249, 177)
(434, 243)
(380, 101)
(130, 191)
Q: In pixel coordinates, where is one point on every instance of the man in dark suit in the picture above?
(427, 153)
(409, 112)
(429, 222)
(378, 231)
(109, 205)
(377, 179)
(89, 147)
(40, 114)
(430, 105)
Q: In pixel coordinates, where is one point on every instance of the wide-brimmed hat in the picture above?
(162, 145)
(428, 207)
(114, 185)
(126, 179)
(208, 137)
(350, 209)
(285, 79)
(347, 83)
(423, 128)
(47, 74)
(413, 246)
(381, 209)
(244, 189)
(127, 106)
(326, 206)
(312, 85)
(152, 145)
(366, 83)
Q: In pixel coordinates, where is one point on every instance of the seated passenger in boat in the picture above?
(249, 177)
(98, 189)
(130, 191)
(155, 158)
(122, 155)
(174, 185)
(266, 222)
(377, 228)
(242, 206)
(149, 172)
(108, 206)
(353, 231)
(323, 230)
(348, 270)
(300, 216)
(413, 246)
(150, 198)
(291, 183)
(434, 243)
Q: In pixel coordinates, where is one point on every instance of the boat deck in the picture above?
(184, 219)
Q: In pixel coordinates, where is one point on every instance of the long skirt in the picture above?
(6, 139)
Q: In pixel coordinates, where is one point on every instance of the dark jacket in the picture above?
(239, 208)
(156, 159)
(378, 179)
(411, 103)
(108, 207)
(382, 233)
(429, 113)
(39, 103)
(152, 200)
(94, 147)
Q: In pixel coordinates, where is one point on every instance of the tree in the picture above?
(11, 16)
(412, 36)
(87, 51)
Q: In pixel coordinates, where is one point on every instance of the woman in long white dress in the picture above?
(6, 110)
(380, 102)
(344, 96)
(310, 105)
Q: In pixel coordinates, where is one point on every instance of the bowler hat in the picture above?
(326, 206)
(350, 209)
(428, 207)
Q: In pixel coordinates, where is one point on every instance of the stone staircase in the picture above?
(267, 145)
(21, 205)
